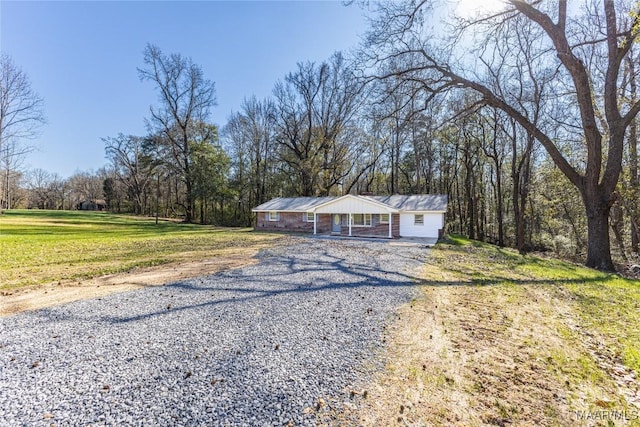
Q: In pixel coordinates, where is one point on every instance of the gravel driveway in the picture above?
(268, 344)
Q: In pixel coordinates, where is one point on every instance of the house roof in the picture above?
(415, 202)
(292, 204)
(353, 204)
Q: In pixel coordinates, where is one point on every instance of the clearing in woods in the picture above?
(496, 338)
(53, 257)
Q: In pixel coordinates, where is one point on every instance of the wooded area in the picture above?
(525, 117)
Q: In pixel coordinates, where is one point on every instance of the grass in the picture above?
(48, 246)
(496, 338)
(607, 304)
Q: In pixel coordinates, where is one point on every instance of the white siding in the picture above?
(345, 205)
(433, 221)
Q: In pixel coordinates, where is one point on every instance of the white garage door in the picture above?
(410, 226)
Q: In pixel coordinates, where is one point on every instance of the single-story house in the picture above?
(419, 215)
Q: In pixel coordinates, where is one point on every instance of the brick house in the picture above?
(394, 216)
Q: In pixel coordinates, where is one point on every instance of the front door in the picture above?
(335, 223)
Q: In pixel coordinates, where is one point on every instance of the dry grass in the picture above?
(493, 341)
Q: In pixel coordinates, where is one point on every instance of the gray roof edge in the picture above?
(416, 202)
(305, 204)
(291, 204)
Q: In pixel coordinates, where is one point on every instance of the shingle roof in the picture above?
(296, 204)
(416, 202)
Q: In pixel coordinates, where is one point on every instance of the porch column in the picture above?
(350, 221)
(315, 222)
(390, 221)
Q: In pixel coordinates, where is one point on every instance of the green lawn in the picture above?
(46, 246)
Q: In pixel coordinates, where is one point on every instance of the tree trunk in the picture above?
(499, 208)
(185, 152)
(395, 161)
(521, 176)
(306, 181)
(468, 187)
(633, 161)
(222, 210)
(598, 243)
(518, 213)
(635, 186)
(495, 155)
(617, 225)
(417, 159)
(481, 217)
(635, 237)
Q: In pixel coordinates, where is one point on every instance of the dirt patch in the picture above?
(486, 355)
(32, 298)
(491, 340)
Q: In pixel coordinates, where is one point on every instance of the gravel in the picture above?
(280, 342)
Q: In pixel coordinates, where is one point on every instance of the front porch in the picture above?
(354, 216)
(358, 225)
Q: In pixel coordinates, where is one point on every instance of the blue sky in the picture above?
(81, 57)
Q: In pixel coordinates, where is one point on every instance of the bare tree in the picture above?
(250, 140)
(587, 50)
(12, 156)
(250, 135)
(396, 113)
(59, 189)
(133, 166)
(314, 106)
(39, 184)
(21, 114)
(631, 186)
(85, 186)
(186, 98)
(488, 131)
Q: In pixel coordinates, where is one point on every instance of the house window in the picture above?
(384, 218)
(362, 220)
(308, 217)
(418, 219)
(274, 216)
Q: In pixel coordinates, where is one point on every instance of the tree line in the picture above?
(526, 117)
